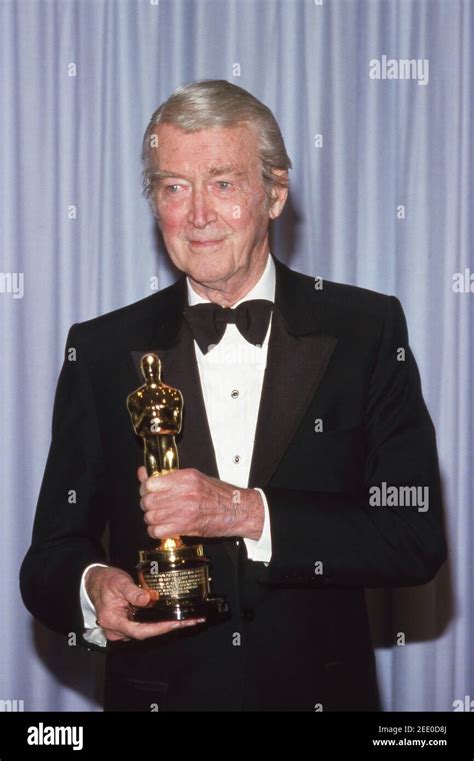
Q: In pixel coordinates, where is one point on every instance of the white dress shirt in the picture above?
(231, 375)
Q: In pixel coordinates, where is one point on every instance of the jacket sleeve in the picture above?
(70, 515)
(345, 539)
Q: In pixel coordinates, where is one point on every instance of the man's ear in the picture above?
(279, 194)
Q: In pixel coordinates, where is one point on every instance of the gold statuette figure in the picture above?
(175, 574)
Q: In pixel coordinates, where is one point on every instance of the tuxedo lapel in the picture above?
(298, 356)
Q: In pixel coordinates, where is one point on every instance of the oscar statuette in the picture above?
(176, 574)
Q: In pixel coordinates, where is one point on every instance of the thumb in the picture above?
(137, 596)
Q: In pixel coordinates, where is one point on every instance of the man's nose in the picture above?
(201, 210)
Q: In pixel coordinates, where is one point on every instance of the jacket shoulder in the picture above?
(131, 319)
(334, 298)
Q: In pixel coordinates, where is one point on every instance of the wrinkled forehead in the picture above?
(206, 150)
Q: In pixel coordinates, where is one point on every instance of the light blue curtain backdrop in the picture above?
(382, 199)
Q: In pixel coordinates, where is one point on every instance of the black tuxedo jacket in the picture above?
(298, 638)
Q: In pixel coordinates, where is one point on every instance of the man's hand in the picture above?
(112, 591)
(188, 503)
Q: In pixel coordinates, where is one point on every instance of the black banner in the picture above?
(101, 735)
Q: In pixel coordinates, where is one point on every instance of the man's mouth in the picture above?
(205, 243)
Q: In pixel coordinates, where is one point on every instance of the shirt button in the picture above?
(234, 394)
(236, 459)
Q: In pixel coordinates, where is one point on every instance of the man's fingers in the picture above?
(150, 483)
(126, 629)
(143, 631)
(153, 485)
(157, 532)
(159, 483)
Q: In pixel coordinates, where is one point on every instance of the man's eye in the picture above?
(172, 189)
(223, 185)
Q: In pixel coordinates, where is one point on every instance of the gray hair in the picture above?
(218, 103)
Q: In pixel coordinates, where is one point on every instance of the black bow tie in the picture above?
(209, 321)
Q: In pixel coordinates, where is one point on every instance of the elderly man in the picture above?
(304, 404)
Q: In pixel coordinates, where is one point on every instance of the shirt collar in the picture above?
(264, 288)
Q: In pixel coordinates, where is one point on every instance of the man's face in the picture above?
(210, 202)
